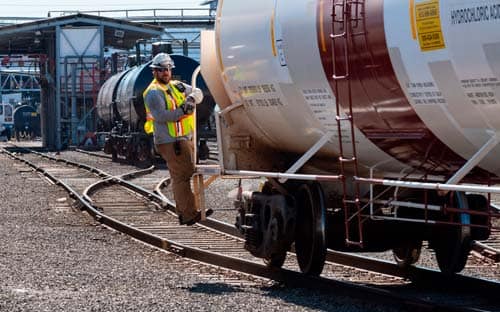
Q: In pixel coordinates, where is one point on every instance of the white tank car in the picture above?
(415, 84)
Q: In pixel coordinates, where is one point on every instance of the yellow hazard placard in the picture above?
(428, 25)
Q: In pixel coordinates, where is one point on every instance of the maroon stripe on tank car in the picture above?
(380, 108)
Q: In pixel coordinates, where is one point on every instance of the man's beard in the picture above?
(162, 80)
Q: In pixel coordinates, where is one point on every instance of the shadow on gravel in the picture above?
(214, 288)
(317, 300)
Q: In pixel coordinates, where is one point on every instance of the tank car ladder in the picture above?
(342, 18)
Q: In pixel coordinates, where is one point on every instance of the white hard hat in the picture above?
(162, 60)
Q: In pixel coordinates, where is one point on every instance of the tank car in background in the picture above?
(6, 121)
(121, 112)
(369, 119)
(26, 122)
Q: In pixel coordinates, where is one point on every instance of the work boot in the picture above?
(197, 218)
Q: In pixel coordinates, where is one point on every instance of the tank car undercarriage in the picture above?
(136, 147)
(299, 215)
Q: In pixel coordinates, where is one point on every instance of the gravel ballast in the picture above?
(56, 258)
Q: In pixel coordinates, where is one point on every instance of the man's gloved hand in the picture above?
(196, 95)
(188, 106)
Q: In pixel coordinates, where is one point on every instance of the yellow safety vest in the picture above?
(173, 99)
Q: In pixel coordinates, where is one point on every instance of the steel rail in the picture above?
(79, 150)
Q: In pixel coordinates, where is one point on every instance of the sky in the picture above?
(40, 8)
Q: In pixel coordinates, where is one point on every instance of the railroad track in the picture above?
(114, 201)
(93, 153)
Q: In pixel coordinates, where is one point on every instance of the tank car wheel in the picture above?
(274, 227)
(276, 260)
(310, 234)
(453, 244)
(407, 254)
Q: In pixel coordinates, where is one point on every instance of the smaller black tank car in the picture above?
(120, 108)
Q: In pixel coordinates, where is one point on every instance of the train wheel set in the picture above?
(274, 223)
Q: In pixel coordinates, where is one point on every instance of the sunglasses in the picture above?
(161, 70)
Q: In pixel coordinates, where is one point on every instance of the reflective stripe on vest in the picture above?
(173, 99)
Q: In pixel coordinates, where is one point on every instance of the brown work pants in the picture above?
(181, 169)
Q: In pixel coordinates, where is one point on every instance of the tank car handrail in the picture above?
(430, 186)
(194, 76)
(281, 175)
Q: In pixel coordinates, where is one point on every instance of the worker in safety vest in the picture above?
(169, 117)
